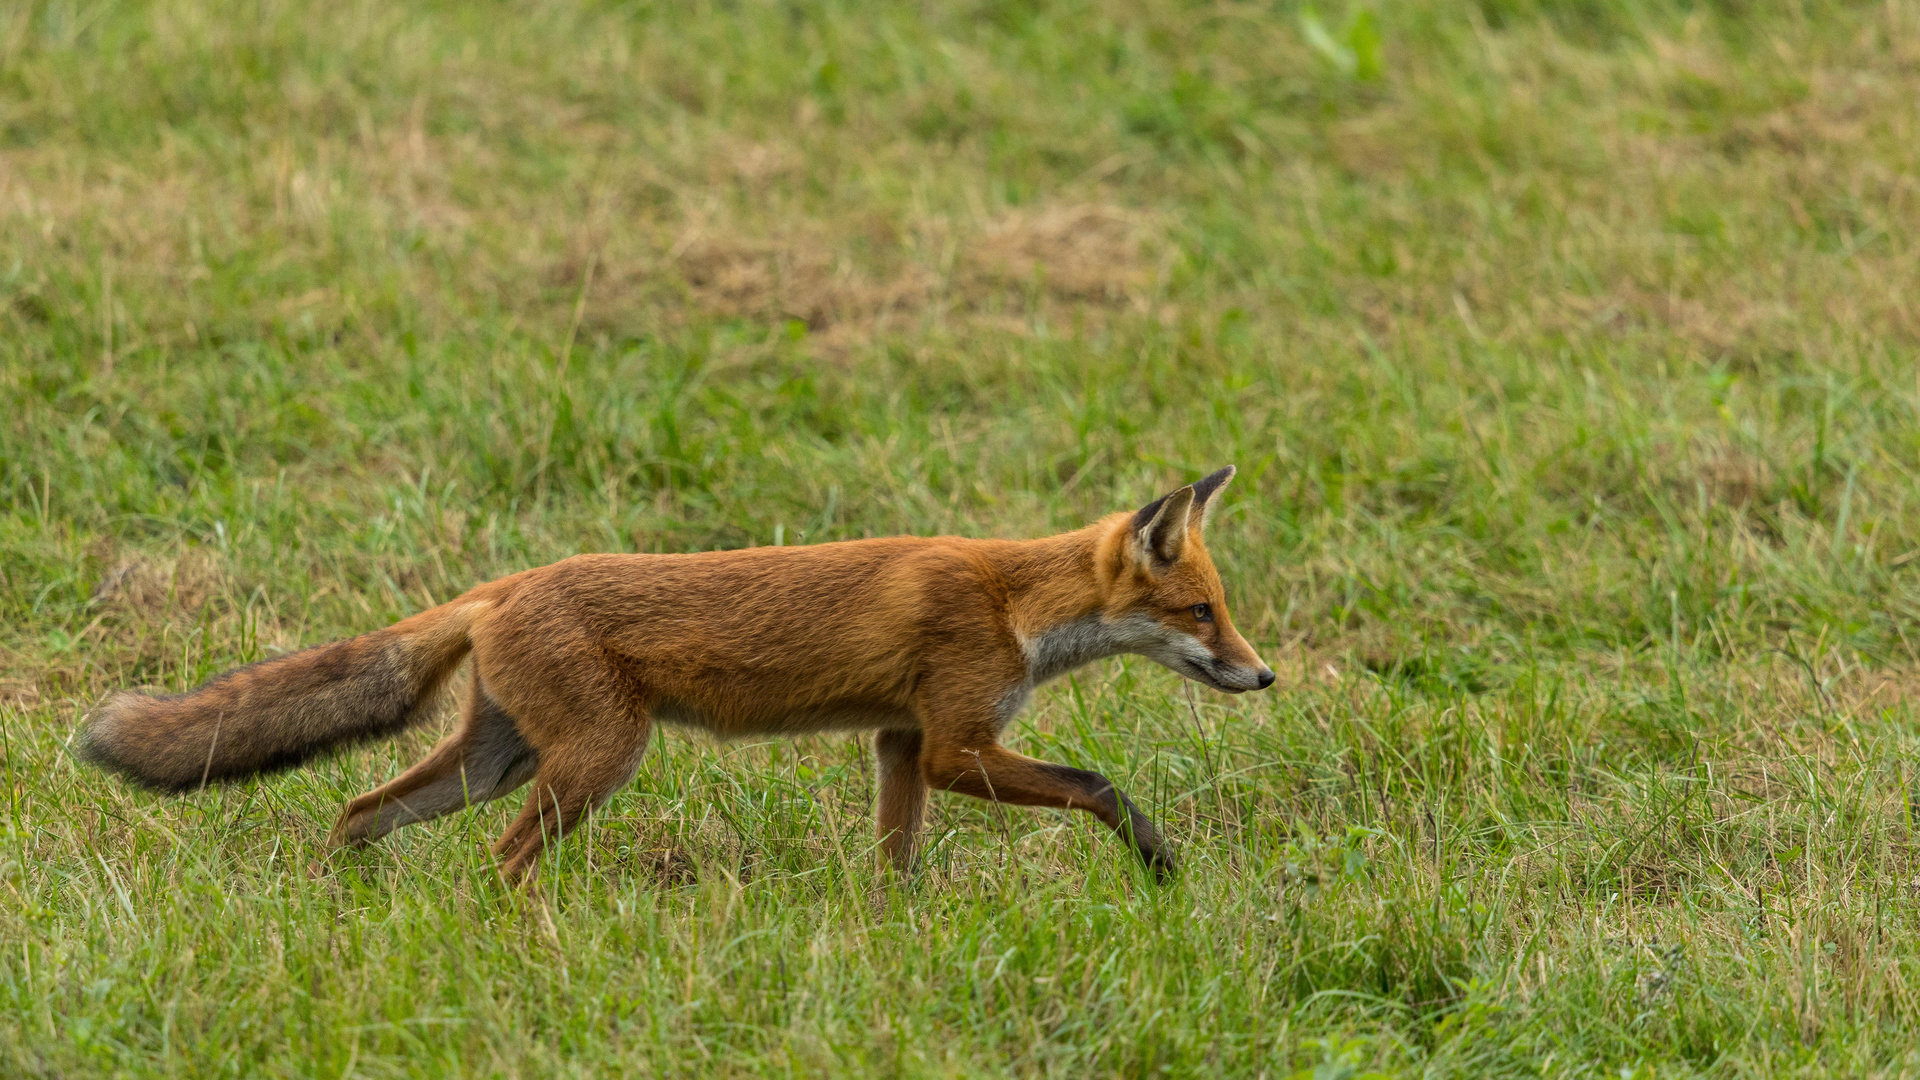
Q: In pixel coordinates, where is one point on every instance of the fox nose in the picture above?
(1266, 678)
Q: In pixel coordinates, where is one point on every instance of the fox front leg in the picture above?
(902, 805)
(958, 755)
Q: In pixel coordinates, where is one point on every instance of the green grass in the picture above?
(1568, 351)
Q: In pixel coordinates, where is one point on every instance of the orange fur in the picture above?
(932, 643)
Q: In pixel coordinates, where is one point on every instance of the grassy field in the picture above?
(1569, 351)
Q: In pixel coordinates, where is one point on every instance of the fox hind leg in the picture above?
(573, 779)
(483, 759)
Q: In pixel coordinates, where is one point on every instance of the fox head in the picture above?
(1167, 593)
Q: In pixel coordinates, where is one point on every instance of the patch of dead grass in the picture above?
(1070, 254)
(1728, 475)
(802, 277)
(19, 693)
(1086, 252)
(154, 588)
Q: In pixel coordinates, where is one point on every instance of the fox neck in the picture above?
(1057, 593)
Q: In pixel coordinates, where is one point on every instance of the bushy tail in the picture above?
(281, 712)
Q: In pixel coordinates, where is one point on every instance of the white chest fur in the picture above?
(1060, 649)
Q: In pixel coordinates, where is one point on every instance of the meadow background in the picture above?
(1567, 350)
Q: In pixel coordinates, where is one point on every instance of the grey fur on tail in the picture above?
(272, 715)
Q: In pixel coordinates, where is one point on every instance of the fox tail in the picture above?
(279, 713)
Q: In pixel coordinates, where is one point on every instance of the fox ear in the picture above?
(1160, 529)
(1204, 491)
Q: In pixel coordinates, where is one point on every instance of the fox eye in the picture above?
(1202, 613)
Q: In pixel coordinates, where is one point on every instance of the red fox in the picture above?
(932, 644)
